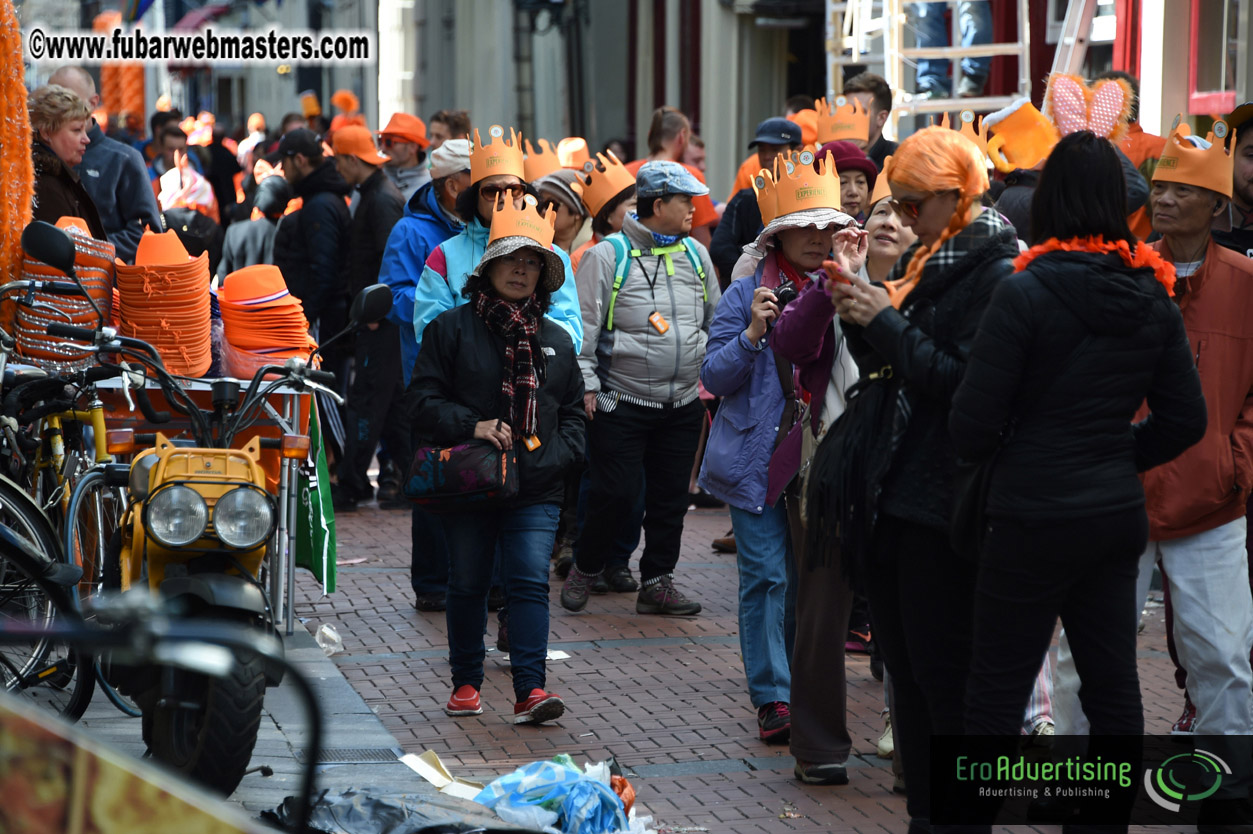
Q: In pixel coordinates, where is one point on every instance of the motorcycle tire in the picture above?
(212, 745)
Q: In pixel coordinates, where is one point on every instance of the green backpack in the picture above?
(622, 259)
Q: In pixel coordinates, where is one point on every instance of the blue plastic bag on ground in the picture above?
(557, 797)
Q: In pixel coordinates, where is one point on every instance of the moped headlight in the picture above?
(176, 516)
(243, 518)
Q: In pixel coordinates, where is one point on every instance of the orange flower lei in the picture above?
(1142, 256)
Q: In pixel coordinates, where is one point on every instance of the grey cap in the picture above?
(450, 158)
(660, 178)
(559, 182)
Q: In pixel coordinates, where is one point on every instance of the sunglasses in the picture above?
(491, 192)
(909, 209)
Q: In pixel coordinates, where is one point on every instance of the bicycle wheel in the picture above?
(92, 539)
(48, 672)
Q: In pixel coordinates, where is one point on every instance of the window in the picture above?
(1212, 57)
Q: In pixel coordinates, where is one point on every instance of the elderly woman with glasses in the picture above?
(882, 482)
(495, 370)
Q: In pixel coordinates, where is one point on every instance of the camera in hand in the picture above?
(785, 294)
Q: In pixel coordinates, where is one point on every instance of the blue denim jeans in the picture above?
(428, 565)
(767, 601)
(525, 538)
(975, 20)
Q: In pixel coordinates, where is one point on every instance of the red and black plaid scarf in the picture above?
(518, 325)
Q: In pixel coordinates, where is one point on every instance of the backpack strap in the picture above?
(621, 268)
(623, 253)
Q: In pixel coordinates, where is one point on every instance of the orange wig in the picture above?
(935, 160)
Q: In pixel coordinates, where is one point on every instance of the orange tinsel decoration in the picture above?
(16, 169)
(1142, 256)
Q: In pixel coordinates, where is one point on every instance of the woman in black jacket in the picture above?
(1071, 345)
(59, 121)
(497, 370)
(881, 485)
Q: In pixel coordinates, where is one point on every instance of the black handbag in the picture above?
(468, 476)
(969, 524)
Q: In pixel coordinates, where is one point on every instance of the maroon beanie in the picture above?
(848, 157)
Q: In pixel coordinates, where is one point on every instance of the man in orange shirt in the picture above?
(1143, 149)
(668, 137)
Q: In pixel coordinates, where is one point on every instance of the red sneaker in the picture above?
(539, 706)
(1183, 727)
(465, 701)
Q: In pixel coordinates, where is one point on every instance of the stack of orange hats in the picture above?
(262, 322)
(93, 264)
(164, 300)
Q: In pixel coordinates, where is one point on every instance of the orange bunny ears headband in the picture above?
(1102, 108)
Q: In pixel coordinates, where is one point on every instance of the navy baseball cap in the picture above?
(777, 131)
(662, 177)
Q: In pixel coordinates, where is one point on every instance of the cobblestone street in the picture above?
(665, 696)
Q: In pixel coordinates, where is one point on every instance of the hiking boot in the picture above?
(621, 581)
(726, 544)
(659, 596)
(465, 701)
(539, 706)
(1183, 727)
(388, 493)
(817, 773)
(599, 586)
(886, 748)
(431, 602)
(576, 589)
(774, 722)
(563, 558)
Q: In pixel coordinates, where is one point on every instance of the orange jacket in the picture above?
(1207, 485)
(1143, 149)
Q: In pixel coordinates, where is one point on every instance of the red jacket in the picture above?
(1207, 485)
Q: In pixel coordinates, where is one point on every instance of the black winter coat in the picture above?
(1075, 452)
(380, 208)
(926, 344)
(739, 226)
(456, 383)
(59, 193)
(311, 246)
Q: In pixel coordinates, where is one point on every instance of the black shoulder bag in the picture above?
(971, 484)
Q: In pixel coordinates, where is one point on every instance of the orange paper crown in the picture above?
(1183, 162)
(573, 153)
(976, 132)
(600, 183)
(797, 186)
(508, 221)
(847, 120)
(882, 188)
(498, 156)
(541, 162)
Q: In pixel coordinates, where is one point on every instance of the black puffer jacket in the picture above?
(926, 344)
(311, 246)
(1075, 452)
(456, 383)
(380, 208)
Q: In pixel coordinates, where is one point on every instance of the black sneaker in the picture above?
(576, 589)
(343, 499)
(661, 597)
(620, 580)
(774, 722)
(431, 602)
(599, 585)
(819, 773)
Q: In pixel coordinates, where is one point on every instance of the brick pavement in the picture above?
(665, 696)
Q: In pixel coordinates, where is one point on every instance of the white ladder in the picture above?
(853, 23)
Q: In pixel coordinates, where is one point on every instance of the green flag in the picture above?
(315, 518)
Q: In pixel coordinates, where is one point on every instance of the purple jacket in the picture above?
(741, 440)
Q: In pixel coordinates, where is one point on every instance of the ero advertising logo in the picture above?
(1187, 777)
